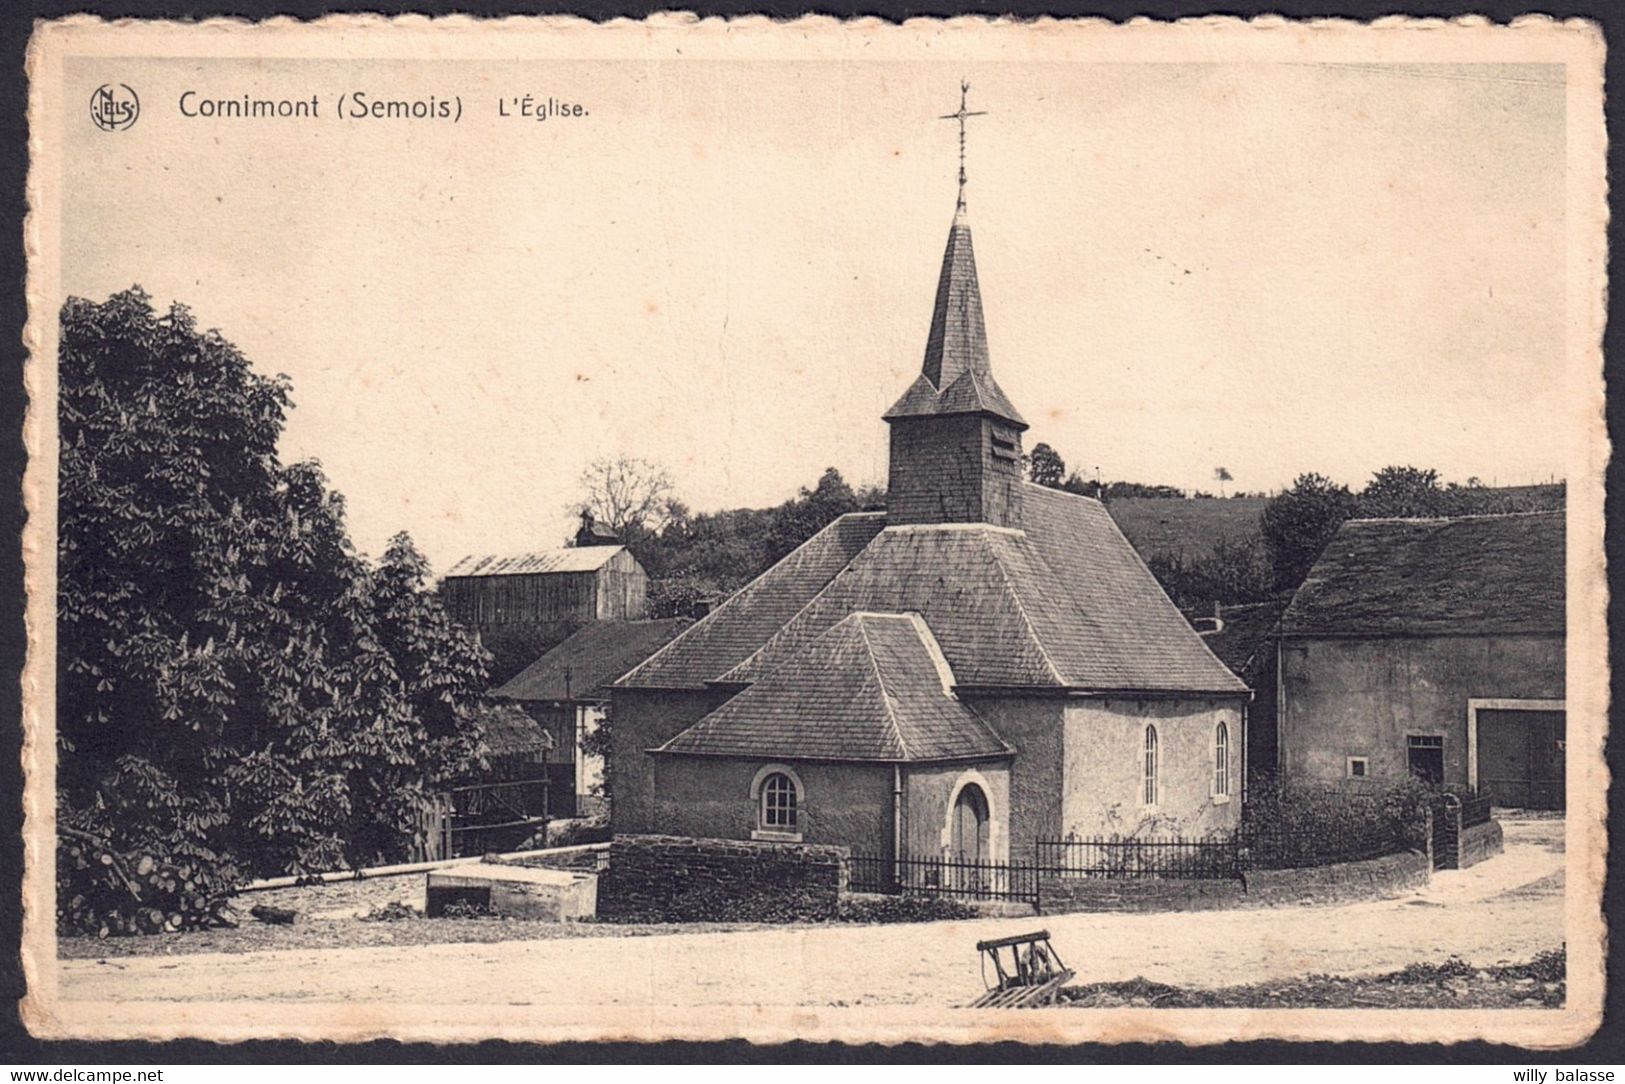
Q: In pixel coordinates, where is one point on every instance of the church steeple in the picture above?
(955, 436)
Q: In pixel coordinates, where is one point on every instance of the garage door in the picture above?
(1520, 757)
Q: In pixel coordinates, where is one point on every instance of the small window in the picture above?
(778, 812)
(1359, 767)
(1424, 755)
(1149, 796)
(1221, 761)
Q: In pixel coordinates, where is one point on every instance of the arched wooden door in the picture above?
(970, 825)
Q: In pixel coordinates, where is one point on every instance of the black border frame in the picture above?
(17, 1047)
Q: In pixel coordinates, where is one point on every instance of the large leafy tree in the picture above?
(1299, 522)
(1046, 467)
(1404, 492)
(238, 692)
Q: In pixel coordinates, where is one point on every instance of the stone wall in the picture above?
(1455, 847)
(1349, 881)
(675, 879)
(1374, 879)
(1477, 843)
(1059, 895)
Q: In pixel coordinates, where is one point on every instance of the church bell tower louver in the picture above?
(955, 438)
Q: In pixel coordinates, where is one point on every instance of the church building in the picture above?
(986, 664)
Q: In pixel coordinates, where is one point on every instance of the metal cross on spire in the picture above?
(964, 111)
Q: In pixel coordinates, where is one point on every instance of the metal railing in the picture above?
(944, 876)
(1475, 810)
(1205, 858)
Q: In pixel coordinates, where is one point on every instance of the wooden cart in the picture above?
(1034, 976)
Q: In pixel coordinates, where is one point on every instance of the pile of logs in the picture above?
(106, 892)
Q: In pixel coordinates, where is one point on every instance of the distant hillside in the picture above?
(1163, 525)
(1171, 526)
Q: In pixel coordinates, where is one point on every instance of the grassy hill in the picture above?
(1170, 526)
(1161, 525)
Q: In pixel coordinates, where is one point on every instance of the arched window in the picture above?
(1150, 796)
(778, 808)
(1221, 760)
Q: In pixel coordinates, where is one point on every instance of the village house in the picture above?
(567, 692)
(1433, 647)
(985, 665)
(1243, 637)
(524, 606)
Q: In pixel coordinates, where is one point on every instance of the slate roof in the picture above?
(564, 559)
(870, 687)
(1065, 603)
(583, 665)
(509, 731)
(1468, 575)
(956, 376)
(726, 635)
(1246, 630)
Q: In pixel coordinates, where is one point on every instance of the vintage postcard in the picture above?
(690, 529)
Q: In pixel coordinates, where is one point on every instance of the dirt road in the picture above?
(1506, 909)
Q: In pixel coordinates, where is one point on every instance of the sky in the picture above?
(728, 268)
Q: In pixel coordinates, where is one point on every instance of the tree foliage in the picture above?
(697, 558)
(1236, 570)
(1405, 492)
(1046, 467)
(1299, 522)
(627, 494)
(239, 693)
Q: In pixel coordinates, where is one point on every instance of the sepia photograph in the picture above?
(955, 531)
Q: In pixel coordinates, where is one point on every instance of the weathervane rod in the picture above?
(964, 111)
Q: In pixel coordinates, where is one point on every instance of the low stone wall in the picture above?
(1058, 895)
(1348, 881)
(678, 879)
(1373, 879)
(1455, 847)
(1479, 842)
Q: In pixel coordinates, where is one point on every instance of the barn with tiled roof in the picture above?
(986, 664)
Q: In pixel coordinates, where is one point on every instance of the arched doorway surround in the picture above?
(972, 827)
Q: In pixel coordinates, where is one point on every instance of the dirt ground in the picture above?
(1455, 984)
(1504, 911)
(331, 917)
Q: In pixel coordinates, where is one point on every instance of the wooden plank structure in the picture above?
(1034, 978)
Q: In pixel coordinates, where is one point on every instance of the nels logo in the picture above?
(114, 107)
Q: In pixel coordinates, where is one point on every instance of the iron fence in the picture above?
(485, 817)
(943, 876)
(1475, 810)
(1208, 858)
(515, 799)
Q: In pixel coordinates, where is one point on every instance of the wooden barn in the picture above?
(573, 585)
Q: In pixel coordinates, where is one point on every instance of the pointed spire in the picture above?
(957, 376)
